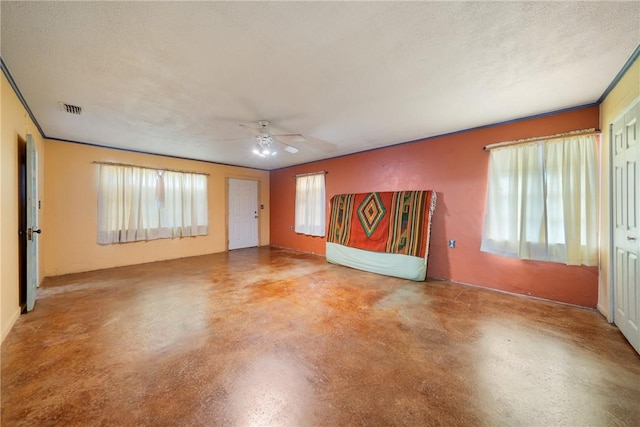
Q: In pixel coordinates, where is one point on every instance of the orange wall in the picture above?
(455, 166)
(71, 215)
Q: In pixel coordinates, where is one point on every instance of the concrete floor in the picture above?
(275, 337)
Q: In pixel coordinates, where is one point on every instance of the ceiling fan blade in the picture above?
(254, 132)
(247, 138)
(288, 148)
(290, 137)
(320, 145)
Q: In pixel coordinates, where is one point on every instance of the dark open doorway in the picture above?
(22, 222)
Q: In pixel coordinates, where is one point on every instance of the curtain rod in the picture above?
(149, 167)
(312, 173)
(582, 132)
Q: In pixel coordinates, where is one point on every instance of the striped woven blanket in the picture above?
(394, 221)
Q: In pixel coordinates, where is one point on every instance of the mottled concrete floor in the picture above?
(274, 337)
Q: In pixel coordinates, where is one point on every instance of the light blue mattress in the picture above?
(396, 265)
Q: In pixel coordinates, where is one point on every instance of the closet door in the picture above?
(626, 244)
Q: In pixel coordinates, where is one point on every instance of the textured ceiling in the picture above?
(177, 78)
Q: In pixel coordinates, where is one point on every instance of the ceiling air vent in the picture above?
(71, 109)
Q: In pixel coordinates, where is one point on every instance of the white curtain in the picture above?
(185, 210)
(145, 204)
(541, 201)
(310, 204)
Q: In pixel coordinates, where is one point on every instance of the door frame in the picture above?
(612, 236)
(259, 206)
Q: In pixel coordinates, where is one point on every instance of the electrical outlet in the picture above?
(291, 228)
(452, 243)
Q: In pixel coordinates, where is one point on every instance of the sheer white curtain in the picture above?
(185, 210)
(145, 204)
(123, 204)
(310, 204)
(515, 211)
(571, 170)
(541, 201)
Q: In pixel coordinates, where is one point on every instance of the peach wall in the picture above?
(14, 123)
(455, 166)
(71, 202)
(622, 96)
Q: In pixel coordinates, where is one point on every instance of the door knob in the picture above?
(30, 232)
(631, 238)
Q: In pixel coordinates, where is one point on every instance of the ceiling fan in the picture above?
(266, 142)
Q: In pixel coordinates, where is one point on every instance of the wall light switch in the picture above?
(452, 243)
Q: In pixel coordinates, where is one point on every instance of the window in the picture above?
(541, 201)
(137, 203)
(310, 204)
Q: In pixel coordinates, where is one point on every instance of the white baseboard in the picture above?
(604, 312)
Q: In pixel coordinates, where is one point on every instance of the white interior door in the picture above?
(243, 213)
(626, 246)
(32, 223)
